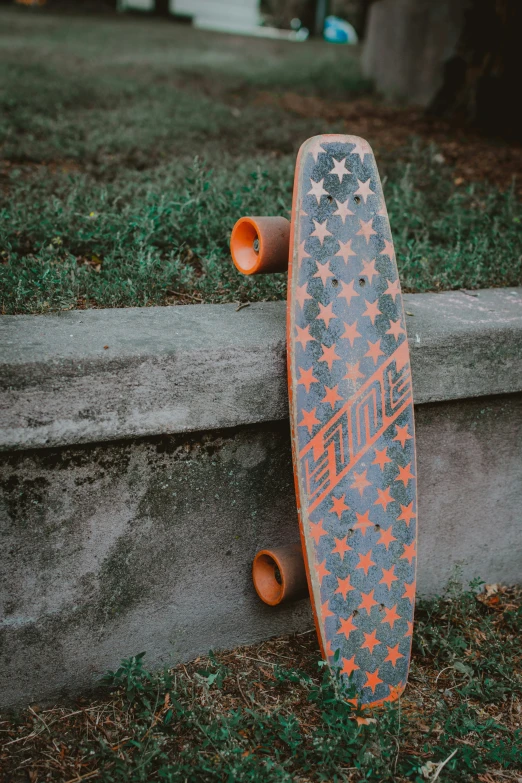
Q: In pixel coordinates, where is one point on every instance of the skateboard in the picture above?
(351, 415)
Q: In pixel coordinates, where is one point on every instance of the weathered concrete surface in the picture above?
(137, 545)
(166, 370)
(107, 550)
(145, 543)
(469, 464)
(180, 369)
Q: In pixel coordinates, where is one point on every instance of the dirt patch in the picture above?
(388, 128)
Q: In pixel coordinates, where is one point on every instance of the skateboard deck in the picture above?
(351, 415)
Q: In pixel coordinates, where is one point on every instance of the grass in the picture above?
(271, 713)
(129, 147)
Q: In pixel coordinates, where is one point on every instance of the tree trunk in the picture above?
(458, 58)
(407, 44)
(481, 80)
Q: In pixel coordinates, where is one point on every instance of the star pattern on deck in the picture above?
(317, 190)
(347, 327)
(339, 169)
(342, 210)
(364, 190)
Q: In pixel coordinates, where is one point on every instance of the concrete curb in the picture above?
(170, 370)
(129, 532)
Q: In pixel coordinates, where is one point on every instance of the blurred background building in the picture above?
(230, 15)
(255, 17)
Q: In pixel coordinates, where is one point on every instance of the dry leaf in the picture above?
(428, 769)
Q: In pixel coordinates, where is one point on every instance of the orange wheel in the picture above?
(260, 245)
(279, 574)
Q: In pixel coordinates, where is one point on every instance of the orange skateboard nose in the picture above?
(259, 245)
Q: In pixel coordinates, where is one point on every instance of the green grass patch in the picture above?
(129, 147)
(250, 715)
(146, 238)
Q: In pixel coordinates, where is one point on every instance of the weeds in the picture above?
(242, 716)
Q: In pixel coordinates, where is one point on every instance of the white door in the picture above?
(233, 15)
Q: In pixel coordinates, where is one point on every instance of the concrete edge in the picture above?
(169, 370)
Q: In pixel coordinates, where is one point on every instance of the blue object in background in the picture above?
(339, 31)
